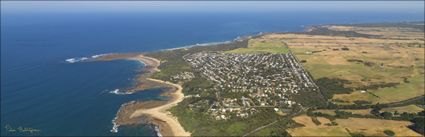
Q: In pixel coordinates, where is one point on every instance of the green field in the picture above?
(262, 46)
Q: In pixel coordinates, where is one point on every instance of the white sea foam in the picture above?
(98, 55)
(115, 91)
(202, 44)
(79, 59)
(114, 121)
(83, 58)
(115, 126)
(158, 133)
(118, 92)
(239, 38)
(71, 60)
(74, 60)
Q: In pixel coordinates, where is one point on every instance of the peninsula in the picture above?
(156, 110)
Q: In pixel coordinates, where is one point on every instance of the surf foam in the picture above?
(115, 126)
(74, 60)
(117, 91)
(79, 59)
(98, 55)
(158, 133)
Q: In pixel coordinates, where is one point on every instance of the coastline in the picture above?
(150, 66)
(154, 112)
(168, 124)
(149, 112)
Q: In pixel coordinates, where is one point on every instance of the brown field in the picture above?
(376, 127)
(307, 122)
(354, 111)
(365, 126)
(408, 109)
(311, 129)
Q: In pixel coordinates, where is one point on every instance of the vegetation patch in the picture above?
(318, 30)
(329, 86)
(389, 133)
(262, 46)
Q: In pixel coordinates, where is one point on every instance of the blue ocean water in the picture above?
(40, 90)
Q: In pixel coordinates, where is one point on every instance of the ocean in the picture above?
(42, 91)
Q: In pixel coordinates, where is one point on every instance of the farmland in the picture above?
(376, 69)
(408, 109)
(259, 45)
(357, 66)
(311, 129)
(350, 126)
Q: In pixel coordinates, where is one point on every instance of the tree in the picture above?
(389, 132)
(422, 113)
(406, 116)
(375, 109)
(387, 115)
(419, 124)
(342, 114)
(396, 112)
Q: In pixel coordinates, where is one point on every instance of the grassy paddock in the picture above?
(312, 129)
(407, 109)
(262, 46)
(343, 127)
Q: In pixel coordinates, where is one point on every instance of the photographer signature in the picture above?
(20, 129)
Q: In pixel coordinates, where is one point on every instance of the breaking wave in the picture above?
(73, 60)
(118, 92)
(239, 38)
(158, 133)
(114, 121)
(203, 44)
(115, 126)
(80, 59)
(98, 55)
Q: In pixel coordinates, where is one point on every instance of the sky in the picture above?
(209, 6)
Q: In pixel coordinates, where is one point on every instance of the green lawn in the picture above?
(405, 91)
(259, 46)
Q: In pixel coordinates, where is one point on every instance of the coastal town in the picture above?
(245, 82)
(283, 84)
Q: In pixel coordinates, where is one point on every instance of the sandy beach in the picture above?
(154, 112)
(161, 113)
